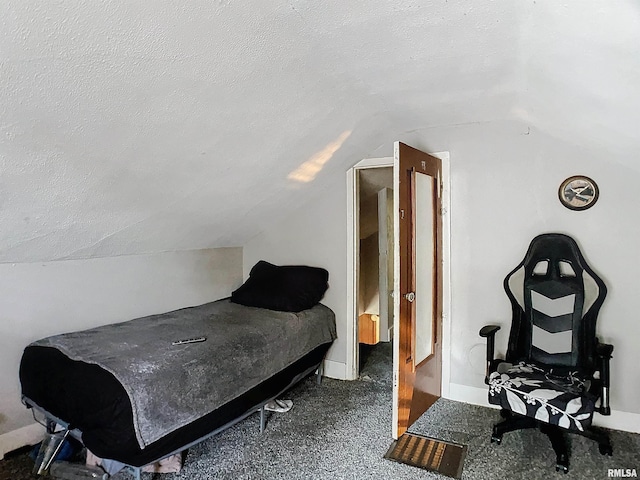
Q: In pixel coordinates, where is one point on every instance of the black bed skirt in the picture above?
(91, 399)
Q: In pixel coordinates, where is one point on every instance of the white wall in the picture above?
(504, 182)
(42, 299)
(314, 235)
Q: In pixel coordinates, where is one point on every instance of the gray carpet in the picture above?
(341, 430)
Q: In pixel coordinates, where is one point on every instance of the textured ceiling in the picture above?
(138, 127)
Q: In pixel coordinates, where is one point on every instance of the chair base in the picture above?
(512, 421)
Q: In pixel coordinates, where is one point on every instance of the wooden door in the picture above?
(418, 285)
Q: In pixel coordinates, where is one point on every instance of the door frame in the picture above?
(353, 260)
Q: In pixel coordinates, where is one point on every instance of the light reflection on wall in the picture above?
(306, 172)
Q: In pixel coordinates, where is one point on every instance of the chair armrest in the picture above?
(489, 332)
(604, 351)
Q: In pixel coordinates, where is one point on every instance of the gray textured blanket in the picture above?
(171, 386)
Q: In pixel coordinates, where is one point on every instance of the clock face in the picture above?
(578, 193)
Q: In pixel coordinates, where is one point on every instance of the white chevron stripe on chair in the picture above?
(553, 307)
(560, 342)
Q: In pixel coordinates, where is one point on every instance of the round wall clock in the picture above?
(578, 192)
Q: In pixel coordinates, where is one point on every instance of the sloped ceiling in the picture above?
(138, 127)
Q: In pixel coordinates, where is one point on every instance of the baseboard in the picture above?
(625, 421)
(337, 370)
(467, 394)
(29, 435)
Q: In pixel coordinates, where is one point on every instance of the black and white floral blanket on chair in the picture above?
(526, 389)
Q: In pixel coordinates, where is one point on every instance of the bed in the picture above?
(134, 393)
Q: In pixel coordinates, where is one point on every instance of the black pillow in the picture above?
(288, 288)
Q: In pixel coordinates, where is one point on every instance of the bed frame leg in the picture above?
(49, 448)
(319, 373)
(263, 419)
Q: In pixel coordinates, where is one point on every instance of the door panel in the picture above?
(418, 283)
(424, 248)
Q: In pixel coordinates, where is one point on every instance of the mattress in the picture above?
(92, 399)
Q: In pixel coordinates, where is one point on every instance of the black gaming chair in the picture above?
(555, 369)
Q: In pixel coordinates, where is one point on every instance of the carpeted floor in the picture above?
(341, 430)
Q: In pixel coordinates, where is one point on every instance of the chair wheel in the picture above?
(605, 449)
(496, 439)
(562, 463)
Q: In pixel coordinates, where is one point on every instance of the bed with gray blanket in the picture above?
(136, 395)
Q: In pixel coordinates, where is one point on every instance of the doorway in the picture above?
(375, 259)
(353, 269)
(352, 363)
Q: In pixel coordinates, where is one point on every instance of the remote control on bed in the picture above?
(189, 340)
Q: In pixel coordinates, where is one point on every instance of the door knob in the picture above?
(411, 296)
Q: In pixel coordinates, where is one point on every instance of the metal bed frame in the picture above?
(51, 421)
